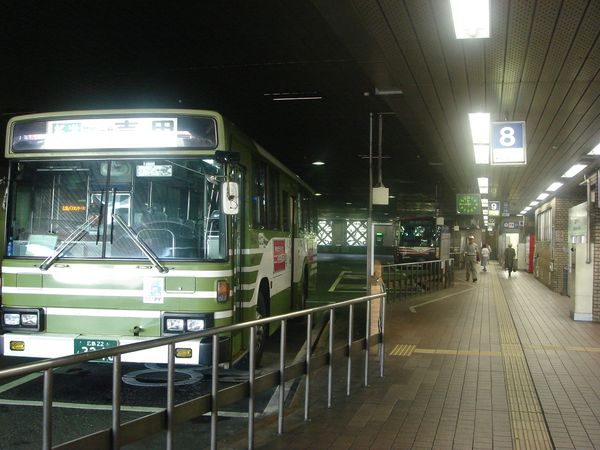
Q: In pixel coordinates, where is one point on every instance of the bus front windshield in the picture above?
(104, 209)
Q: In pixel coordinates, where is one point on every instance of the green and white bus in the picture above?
(128, 225)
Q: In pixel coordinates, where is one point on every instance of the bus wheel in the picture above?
(262, 331)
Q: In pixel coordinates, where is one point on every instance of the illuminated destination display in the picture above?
(73, 208)
(124, 132)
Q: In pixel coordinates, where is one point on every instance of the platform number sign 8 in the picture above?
(508, 143)
(507, 136)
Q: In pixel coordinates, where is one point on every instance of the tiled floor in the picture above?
(498, 365)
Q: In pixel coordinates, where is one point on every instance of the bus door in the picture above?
(290, 226)
(237, 244)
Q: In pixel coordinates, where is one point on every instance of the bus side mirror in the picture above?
(230, 197)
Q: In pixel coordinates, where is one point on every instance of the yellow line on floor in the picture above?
(529, 430)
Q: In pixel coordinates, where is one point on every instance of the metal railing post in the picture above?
(116, 403)
(330, 351)
(251, 374)
(283, 334)
(382, 334)
(170, 395)
(308, 356)
(349, 356)
(214, 413)
(47, 413)
(367, 341)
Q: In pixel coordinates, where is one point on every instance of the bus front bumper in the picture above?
(54, 345)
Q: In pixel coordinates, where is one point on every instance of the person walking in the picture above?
(471, 258)
(509, 258)
(485, 257)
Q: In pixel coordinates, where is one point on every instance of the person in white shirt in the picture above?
(485, 257)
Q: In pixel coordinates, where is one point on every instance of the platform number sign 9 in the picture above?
(508, 143)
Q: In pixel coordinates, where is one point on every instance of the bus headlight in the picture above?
(12, 319)
(22, 319)
(195, 324)
(174, 325)
(29, 320)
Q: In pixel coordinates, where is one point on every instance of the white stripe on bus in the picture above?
(107, 271)
(102, 292)
(89, 312)
(253, 251)
(250, 268)
(248, 287)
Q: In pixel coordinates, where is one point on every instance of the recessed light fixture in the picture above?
(318, 163)
(595, 151)
(534, 203)
(296, 99)
(480, 127)
(574, 170)
(554, 187)
(471, 18)
(482, 153)
(543, 196)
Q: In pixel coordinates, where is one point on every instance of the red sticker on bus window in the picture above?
(278, 255)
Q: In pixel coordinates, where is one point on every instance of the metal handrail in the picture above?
(115, 431)
(417, 278)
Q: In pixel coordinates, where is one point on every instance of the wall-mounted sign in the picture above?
(508, 143)
(511, 225)
(505, 209)
(491, 221)
(468, 204)
(494, 209)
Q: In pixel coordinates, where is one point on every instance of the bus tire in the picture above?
(262, 331)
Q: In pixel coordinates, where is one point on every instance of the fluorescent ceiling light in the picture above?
(534, 203)
(522, 213)
(482, 153)
(554, 187)
(318, 194)
(390, 91)
(391, 196)
(480, 127)
(318, 163)
(595, 151)
(574, 170)
(348, 203)
(543, 196)
(289, 99)
(471, 18)
(527, 208)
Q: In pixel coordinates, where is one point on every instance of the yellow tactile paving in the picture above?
(527, 420)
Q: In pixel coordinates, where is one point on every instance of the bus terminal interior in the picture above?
(360, 224)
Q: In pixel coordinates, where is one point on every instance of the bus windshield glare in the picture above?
(171, 205)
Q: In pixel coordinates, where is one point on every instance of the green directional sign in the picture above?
(468, 204)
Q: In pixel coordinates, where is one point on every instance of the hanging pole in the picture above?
(380, 145)
(370, 219)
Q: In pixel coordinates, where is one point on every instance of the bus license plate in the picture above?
(90, 345)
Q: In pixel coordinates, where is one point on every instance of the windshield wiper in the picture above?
(75, 236)
(140, 244)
